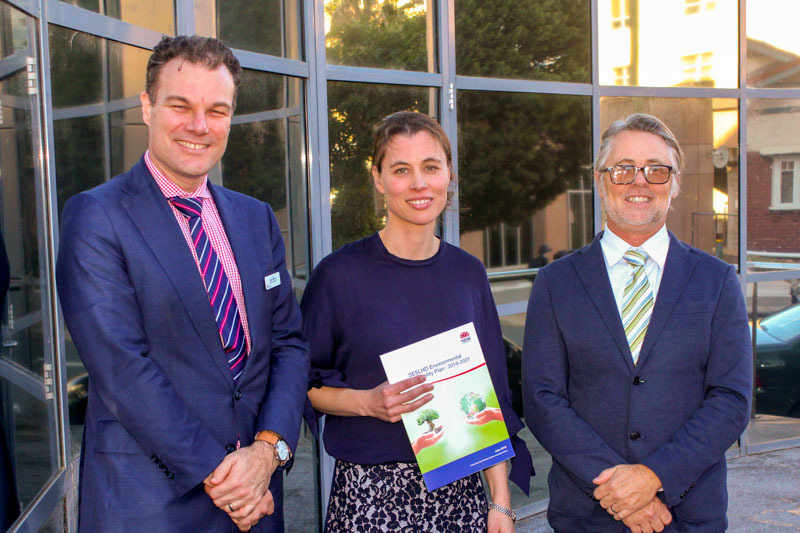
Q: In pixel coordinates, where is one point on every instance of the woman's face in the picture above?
(414, 177)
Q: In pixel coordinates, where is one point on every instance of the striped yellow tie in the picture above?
(637, 302)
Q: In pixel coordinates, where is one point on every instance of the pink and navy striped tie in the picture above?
(220, 293)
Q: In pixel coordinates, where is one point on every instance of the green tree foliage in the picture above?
(427, 415)
(529, 39)
(517, 152)
(368, 33)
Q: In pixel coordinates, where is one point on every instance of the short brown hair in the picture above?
(205, 51)
(409, 123)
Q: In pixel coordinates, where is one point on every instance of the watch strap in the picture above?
(272, 438)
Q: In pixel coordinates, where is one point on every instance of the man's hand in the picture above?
(240, 484)
(265, 506)
(652, 517)
(624, 489)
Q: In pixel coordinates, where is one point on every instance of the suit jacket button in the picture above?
(237, 395)
(635, 435)
(637, 380)
(230, 448)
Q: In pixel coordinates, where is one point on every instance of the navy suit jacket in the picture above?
(162, 402)
(677, 411)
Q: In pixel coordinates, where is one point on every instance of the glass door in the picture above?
(31, 465)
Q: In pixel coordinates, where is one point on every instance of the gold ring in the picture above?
(612, 509)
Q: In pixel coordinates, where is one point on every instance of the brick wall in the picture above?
(768, 230)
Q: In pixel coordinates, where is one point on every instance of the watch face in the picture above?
(283, 450)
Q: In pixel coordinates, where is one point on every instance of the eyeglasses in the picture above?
(624, 174)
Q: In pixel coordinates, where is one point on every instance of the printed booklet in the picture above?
(461, 431)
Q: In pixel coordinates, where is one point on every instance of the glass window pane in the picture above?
(271, 27)
(669, 44)
(156, 15)
(22, 315)
(774, 309)
(14, 30)
(28, 423)
(773, 47)
(706, 212)
(518, 192)
(76, 67)
(527, 39)
(266, 156)
(395, 34)
(773, 184)
(357, 210)
(57, 522)
(79, 154)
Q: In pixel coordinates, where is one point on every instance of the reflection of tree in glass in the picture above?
(518, 152)
(353, 109)
(75, 67)
(377, 33)
(254, 163)
(531, 39)
(248, 25)
(368, 33)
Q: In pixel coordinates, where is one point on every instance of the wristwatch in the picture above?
(282, 452)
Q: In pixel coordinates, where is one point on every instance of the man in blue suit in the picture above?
(177, 297)
(637, 367)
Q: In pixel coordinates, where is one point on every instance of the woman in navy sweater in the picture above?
(398, 286)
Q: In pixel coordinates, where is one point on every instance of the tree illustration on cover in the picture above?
(472, 403)
(429, 415)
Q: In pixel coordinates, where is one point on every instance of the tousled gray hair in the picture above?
(647, 124)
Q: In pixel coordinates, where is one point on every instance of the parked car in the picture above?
(778, 363)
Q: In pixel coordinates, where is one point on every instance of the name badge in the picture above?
(272, 281)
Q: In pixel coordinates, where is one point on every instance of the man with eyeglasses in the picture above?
(637, 367)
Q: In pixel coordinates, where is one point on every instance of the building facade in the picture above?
(523, 88)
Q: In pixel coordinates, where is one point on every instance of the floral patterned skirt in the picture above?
(393, 498)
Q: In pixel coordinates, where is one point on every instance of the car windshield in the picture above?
(784, 325)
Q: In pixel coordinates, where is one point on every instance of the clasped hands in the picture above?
(628, 493)
(240, 484)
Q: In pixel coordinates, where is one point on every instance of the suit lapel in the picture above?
(677, 269)
(147, 207)
(591, 268)
(240, 237)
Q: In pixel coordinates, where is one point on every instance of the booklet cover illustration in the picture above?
(461, 431)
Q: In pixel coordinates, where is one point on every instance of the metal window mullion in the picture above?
(448, 108)
(743, 275)
(48, 166)
(184, 17)
(76, 18)
(317, 95)
(596, 201)
(29, 7)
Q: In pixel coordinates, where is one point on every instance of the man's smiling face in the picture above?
(189, 120)
(636, 211)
